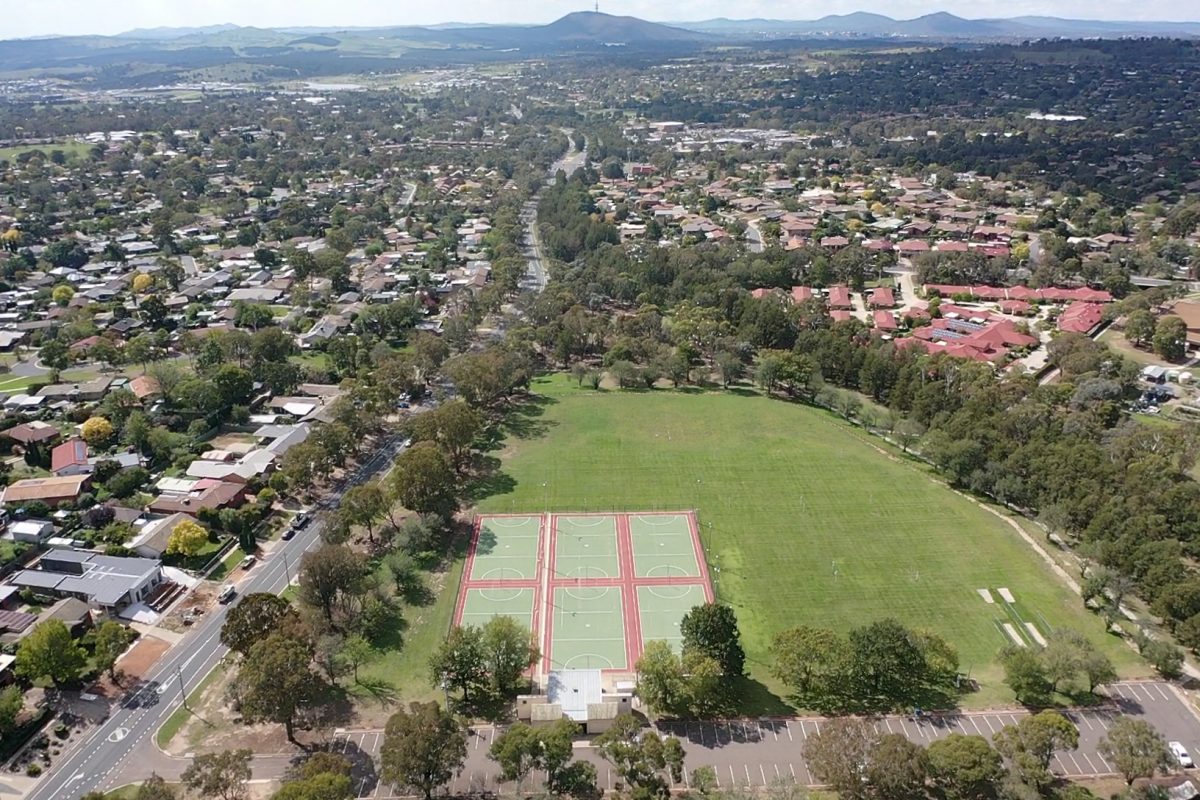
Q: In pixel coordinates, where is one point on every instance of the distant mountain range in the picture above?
(156, 56)
(940, 25)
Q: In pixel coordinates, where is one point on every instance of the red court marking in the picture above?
(698, 546)
(629, 607)
(627, 581)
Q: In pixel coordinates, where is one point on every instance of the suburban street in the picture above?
(536, 277)
(105, 756)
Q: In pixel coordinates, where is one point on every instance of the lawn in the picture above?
(70, 148)
(404, 663)
(804, 520)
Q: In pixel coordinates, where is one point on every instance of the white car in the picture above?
(1181, 754)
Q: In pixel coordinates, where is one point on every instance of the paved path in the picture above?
(759, 752)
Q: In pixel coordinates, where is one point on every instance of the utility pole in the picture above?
(287, 570)
(182, 688)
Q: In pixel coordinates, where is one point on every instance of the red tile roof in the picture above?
(801, 293)
(839, 297)
(882, 297)
(885, 320)
(1080, 317)
(70, 453)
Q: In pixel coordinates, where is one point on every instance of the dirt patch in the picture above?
(132, 667)
(185, 613)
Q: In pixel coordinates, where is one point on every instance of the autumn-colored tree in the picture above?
(187, 538)
(97, 431)
(142, 282)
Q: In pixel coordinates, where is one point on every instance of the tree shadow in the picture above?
(376, 689)
(754, 699)
(391, 635)
(489, 481)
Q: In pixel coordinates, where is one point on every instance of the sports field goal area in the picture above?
(592, 588)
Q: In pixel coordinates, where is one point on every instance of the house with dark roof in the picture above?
(107, 582)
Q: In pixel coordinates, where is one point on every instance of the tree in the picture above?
(423, 748)
(1062, 658)
(810, 661)
(256, 617)
(109, 641)
(220, 775)
(276, 682)
(49, 651)
(424, 481)
(97, 431)
(1170, 338)
(508, 650)
(1166, 658)
(453, 426)
(54, 355)
(638, 756)
(154, 788)
(1135, 749)
(1139, 327)
(327, 575)
(964, 767)
(1025, 675)
(11, 702)
(62, 294)
(712, 629)
(661, 683)
(355, 652)
(840, 755)
(187, 538)
(517, 752)
(897, 768)
(1097, 668)
(1030, 744)
(363, 505)
(459, 661)
(322, 776)
(886, 663)
(142, 282)
(907, 432)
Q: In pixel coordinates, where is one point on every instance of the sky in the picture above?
(47, 17)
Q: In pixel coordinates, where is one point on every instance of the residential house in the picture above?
(51, 491)
(107, 582)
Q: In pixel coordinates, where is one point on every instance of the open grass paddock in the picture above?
(803, 519)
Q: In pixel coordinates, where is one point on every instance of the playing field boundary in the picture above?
(585, 552)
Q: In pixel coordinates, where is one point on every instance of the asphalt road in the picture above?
(536, 277)
(758, 752)
(101, 757)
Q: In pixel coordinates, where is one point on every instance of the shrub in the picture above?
(33, 770)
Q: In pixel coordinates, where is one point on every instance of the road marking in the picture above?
(763, 773)
(118, 734)
(732, 779)
(788, 727)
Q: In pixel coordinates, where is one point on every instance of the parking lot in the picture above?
(756, 753)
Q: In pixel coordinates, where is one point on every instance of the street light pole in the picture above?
(182, 688)
(287, 572)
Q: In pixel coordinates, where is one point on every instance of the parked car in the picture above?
(288, 532)
(249, 561)
(227, 593)
(1181, 754)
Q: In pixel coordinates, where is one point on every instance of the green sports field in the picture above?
(803, 519)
